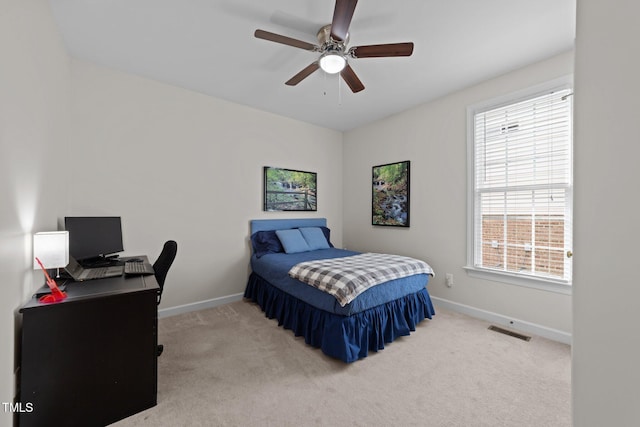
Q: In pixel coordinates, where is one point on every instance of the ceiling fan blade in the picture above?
(382, 50)
(273, 37)
(342, 15)
(351, 79)
(303, 74)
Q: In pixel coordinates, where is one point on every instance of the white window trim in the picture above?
(536, 282)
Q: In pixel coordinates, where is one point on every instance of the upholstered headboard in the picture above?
(282, 224)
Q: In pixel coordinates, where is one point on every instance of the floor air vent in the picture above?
(510, 333)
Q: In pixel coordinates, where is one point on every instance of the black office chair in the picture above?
(161, 268)
(163, 263)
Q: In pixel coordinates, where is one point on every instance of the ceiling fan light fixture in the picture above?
(332, 63)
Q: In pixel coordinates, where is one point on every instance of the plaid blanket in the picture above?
(347, 277)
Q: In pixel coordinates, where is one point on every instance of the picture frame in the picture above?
(290, 190)
(390, 194)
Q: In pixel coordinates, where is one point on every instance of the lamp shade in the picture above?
(51, 248)
(332, 63)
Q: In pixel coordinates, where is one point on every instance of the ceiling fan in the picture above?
(332, 46)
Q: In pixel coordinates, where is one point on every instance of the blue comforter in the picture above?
(275, 268)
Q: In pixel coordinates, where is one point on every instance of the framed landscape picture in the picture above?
(390, 194)
(289, 190)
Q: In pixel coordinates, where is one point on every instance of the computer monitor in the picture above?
(93, 238)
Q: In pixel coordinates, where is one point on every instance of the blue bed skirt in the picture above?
(347, 338)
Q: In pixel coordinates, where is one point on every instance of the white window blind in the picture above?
(522, 155)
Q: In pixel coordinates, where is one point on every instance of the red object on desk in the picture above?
(56, 294)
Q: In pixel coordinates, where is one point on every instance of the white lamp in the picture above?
(332, 62)
(52, 249)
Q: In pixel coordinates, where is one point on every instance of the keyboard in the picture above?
(138, 268)
(97, 273)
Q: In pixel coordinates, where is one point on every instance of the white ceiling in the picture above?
(208, 46)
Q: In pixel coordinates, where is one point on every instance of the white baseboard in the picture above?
(499, 319)
(200, 305)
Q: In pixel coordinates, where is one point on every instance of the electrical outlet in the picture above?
(448, 279)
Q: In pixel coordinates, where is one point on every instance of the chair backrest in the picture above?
(163, 263)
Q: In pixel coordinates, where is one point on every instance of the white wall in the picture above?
(606, 339)
(198, 162)
(433, 137)
(34, 105)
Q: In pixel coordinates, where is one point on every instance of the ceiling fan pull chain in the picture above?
(324, 77)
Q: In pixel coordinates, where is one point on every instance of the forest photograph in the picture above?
(390, 194)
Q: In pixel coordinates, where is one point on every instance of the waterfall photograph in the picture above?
(390, 199)
(289, 190)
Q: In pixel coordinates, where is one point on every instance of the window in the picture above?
(520, 216)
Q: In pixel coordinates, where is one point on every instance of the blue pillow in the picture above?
(292, 241)
(265, 242)
(327, 235)
(314, 237)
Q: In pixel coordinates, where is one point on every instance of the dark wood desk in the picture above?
(90, 360)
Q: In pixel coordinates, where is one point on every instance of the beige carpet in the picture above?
(231, 366)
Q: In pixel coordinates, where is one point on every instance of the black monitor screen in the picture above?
(93, 236)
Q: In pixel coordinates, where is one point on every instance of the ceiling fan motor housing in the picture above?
(326, 43)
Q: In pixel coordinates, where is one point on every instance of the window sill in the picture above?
(540, 283)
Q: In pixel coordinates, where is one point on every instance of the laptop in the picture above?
(80, 273)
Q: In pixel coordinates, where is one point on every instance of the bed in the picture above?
(346, 331)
